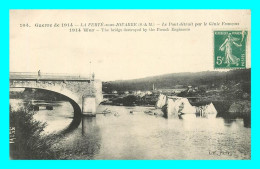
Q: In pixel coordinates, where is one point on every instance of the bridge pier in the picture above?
(89, 106)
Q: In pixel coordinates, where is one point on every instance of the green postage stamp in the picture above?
(230, 49)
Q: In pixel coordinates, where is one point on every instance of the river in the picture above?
(124, 135)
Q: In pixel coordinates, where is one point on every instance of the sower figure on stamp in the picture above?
(227, 46)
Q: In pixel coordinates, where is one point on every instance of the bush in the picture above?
(29, 142)
(130, 100)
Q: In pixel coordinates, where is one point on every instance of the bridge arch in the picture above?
(73, 101)
(77, 111)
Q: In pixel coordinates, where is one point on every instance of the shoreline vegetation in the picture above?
(229, 91)
(28, 142)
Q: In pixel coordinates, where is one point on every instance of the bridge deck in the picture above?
(46, 76)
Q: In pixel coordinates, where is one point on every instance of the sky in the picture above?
(117, 55)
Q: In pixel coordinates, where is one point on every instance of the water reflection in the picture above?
(89, 125)
(91, 136)
(247, 121)
(73, 125)
(119, 134)
(230, 120)
(187, 116)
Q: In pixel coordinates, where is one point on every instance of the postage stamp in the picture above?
(230, 49)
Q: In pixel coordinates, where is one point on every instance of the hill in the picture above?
(209, 78)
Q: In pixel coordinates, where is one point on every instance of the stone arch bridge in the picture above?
(84, 93)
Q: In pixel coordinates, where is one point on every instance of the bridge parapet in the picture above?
(47, 76)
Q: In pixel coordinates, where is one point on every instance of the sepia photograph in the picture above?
(130, 85)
